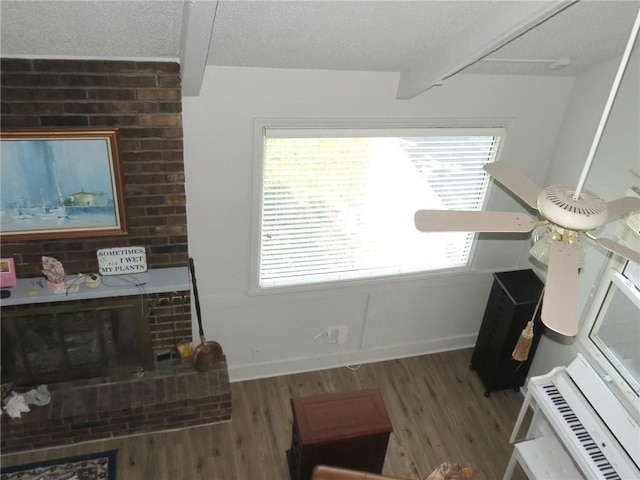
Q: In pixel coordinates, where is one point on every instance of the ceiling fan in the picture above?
(569, 216)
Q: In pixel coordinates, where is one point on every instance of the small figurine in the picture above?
(451, 471)
(54, 271)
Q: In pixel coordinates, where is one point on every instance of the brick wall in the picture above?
(142, 100)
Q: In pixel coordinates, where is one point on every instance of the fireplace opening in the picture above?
(64, 342)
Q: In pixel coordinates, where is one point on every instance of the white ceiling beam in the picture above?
(197, 27)
(503, 23)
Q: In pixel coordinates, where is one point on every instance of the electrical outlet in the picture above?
(343, 333)
(332, 335)
(336, 334)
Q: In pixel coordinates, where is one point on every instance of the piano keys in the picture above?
(578, 432)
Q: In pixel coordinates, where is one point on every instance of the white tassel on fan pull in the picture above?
(521, 350)
(608, 106)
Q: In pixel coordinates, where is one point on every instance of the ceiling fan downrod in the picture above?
(607, 109)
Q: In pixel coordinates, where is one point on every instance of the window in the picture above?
(611, 335)
(338, 204)
(616, 329)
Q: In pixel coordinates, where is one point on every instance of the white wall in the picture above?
(265, 335)
(609, 177)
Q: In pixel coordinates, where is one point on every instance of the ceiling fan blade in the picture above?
(622, 206)
(619, 249)
(516, 181)
(560, 304)
(465, 221)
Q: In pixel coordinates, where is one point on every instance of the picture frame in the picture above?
(60, 183)
(7, 272)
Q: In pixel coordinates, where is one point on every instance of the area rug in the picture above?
(94, 466)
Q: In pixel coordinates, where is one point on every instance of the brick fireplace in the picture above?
(162, 394)
(143, 101)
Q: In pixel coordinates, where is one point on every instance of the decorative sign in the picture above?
(122, 260)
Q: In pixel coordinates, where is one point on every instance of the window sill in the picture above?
(441, 277)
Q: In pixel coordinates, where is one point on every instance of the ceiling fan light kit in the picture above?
(569, 214)
(543, 237)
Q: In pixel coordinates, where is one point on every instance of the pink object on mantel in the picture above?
(7, 272)
(57, 287)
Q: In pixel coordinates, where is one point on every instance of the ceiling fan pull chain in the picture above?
(607, 109)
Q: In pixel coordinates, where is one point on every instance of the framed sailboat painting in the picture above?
(60, 183)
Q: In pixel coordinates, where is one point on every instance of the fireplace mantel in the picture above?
(157, 280)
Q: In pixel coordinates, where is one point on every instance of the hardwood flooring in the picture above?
(436, 405)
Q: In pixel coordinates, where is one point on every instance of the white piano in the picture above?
(579, 429)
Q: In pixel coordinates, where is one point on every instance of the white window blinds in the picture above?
(338, 204)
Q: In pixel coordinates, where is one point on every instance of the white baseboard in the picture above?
(238, 373)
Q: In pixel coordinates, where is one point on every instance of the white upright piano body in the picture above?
(573, 407)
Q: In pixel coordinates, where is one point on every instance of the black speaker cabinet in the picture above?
(512, 303)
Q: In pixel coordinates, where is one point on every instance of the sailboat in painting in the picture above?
(58, 211)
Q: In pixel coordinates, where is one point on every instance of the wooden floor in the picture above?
(436, 405)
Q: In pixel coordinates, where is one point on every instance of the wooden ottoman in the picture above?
(349, 430)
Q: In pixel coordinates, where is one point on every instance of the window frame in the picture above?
(262, 124)
(611, 276)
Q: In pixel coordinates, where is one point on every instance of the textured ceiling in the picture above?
(342, 35)
(587, 33)
(88, 29)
